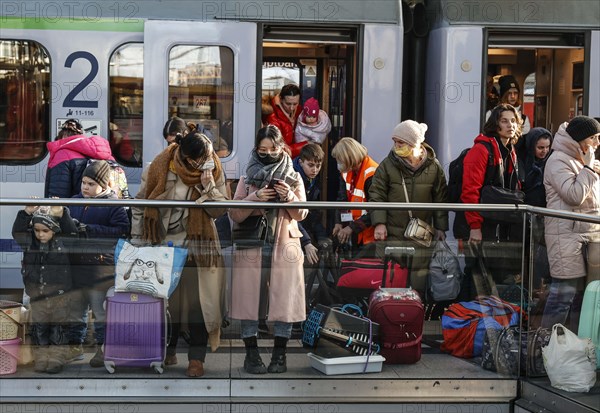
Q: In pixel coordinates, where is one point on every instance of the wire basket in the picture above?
(10, 316)
(9, 356)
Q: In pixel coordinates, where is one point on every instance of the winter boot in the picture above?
(253, 364)
(278, 361)
(98, 359)
(40, 356)
(56, 359)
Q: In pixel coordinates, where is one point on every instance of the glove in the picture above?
(589, 157)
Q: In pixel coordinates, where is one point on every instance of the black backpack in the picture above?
(455, 181)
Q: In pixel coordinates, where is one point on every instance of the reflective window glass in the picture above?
(127, 103)
(201, 91)
(24, 101)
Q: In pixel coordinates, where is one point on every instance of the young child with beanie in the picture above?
(47, 278)
(313, 124)
(93, 263)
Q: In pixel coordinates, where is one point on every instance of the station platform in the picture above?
(437, 383)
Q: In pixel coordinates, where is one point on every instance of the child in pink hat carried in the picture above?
(313, 124)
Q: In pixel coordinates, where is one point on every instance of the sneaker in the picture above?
(98, 359)
(75, 352)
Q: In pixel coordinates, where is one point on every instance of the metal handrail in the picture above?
(395, 206)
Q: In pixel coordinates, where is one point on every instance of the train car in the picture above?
(123, 68)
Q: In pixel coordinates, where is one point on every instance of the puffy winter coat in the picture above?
(93, 259)
(46, 273)
(280, 119)
(427, 184)
(68, 160)
(569, 187)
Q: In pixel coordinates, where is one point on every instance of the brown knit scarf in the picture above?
(202, 237)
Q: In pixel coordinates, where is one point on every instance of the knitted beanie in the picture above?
(99, 171)
(508, 82)
(410, 132)
(311, 108)
(48, 220)
(582, 127)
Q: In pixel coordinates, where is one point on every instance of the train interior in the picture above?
(550, 71)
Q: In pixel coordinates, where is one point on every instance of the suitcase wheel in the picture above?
(158, 367)
(109, 366)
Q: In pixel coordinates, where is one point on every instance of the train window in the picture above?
(126, 103)
(24, 101)
(201, 91)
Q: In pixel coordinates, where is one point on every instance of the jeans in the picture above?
(564, 303)
(83, 297)
(280, 329)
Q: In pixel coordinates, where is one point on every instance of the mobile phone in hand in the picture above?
(272, 183)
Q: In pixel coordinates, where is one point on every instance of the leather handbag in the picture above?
(491, 194)
(251, 232)
(417, 230)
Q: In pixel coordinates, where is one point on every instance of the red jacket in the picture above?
(474, 168)
(282, 121)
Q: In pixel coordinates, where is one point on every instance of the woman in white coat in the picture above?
(572, 183)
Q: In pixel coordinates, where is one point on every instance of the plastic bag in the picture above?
(570, 361)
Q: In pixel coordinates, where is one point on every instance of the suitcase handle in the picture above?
(390, 252)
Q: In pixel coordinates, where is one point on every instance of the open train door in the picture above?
(204, 73)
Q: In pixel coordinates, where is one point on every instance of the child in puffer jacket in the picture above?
(100, 227)
(313, 124)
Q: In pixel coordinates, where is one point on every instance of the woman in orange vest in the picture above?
(357, 169)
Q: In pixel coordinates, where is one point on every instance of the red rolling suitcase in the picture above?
(400, 315)
(136, 331)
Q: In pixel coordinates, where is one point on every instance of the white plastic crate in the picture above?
(346, 365)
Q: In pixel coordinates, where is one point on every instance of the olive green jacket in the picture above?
(425, 185)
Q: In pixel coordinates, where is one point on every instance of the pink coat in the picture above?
(286, 287)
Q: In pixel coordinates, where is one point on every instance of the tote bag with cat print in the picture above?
(152, 270)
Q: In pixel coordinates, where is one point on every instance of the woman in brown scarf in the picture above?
(188, 170)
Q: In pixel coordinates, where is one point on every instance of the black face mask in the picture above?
(269, 159)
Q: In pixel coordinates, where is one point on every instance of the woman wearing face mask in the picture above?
(272, 276)
(414, 161)
(286, 110)
(357, 169)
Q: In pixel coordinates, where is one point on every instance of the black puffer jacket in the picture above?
(46, 268)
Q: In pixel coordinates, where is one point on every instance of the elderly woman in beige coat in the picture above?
(572, 184)
(275, 271)
(188, 170)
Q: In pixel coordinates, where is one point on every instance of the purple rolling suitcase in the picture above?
(136, 331)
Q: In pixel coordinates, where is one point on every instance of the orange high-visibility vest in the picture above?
(357, 194)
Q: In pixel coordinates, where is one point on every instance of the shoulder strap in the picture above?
(492, 172)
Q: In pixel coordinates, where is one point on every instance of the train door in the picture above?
(204, 73)
(323, 64)
(549, 71)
